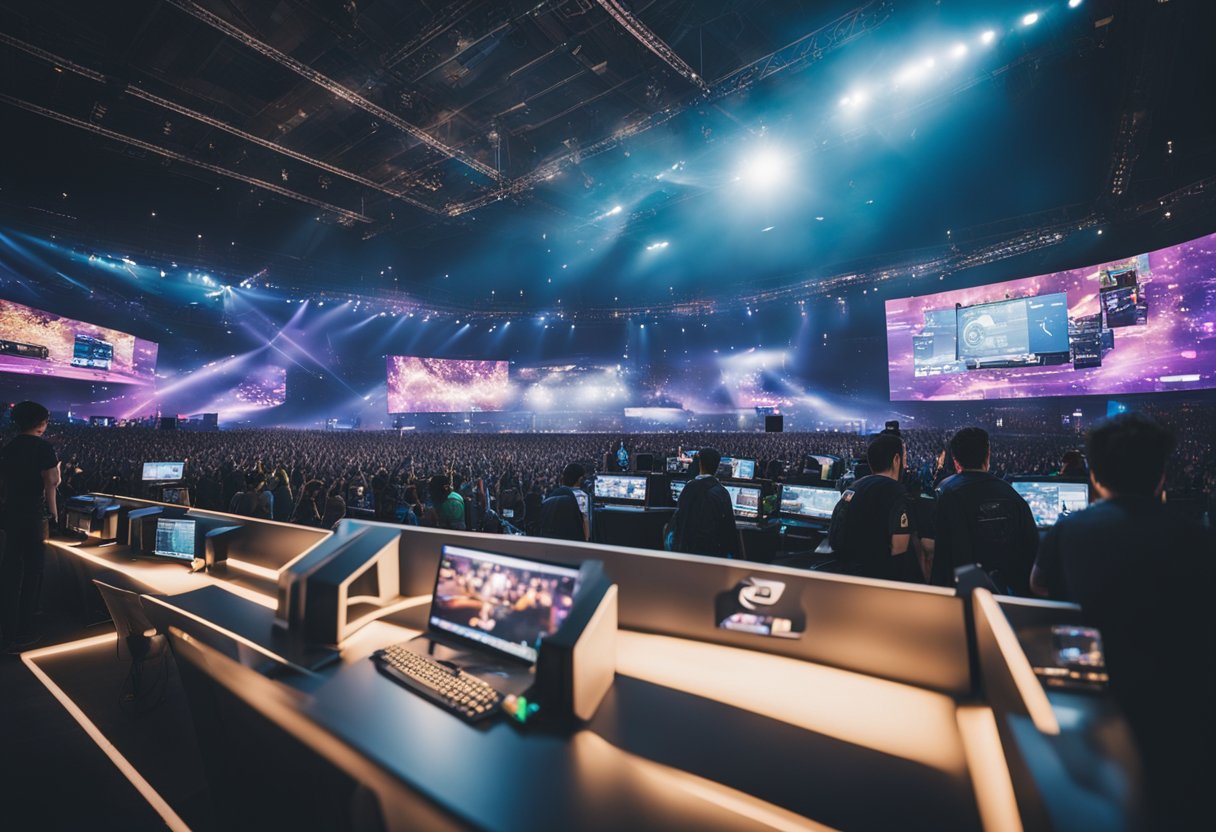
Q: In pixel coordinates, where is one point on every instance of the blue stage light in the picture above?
(765, 169)
(1030, 19)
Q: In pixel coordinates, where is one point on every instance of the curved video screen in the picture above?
(34, 342)
(442, 385)
(1144, 324)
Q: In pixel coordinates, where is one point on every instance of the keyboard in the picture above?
(449, 687)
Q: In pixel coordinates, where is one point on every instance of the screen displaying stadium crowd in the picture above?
(318, 477)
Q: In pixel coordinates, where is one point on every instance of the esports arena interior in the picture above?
(373, 241)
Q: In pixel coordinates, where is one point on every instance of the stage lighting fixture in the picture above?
(958, 51)
(658, 245)
(1030, 19)
(765, 169)
(616, 209)
(988, 37)
(1072, 4)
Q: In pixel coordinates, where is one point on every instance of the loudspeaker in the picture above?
(774, 423)
(168, 423)
(610, 463)
(643, 463)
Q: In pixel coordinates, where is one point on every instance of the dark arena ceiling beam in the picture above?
(173, 106)
(642, 33)
(342, 213)
(325, 82)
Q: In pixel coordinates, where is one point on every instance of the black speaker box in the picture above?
(774, 423)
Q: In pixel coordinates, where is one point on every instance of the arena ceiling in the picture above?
(583, 153)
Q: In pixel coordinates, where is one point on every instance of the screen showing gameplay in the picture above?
(1049, 501)
(504, 603)
(620, 487)
(744, 499)
(736, 469)
(174, 539)
(809, 502)
(677, 488)
(34, 342)
(442, 385)
(163, 471)
(1144, 324)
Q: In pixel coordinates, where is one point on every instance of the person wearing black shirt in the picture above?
(981, 519)
(704, 522)
(29, 475)
(561, 515)
(1144, 578)
(871, 528)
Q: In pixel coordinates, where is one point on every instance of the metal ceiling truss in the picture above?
(643, 34)
(342, 213)
(325, 82)
(809, 48)
(141, 93)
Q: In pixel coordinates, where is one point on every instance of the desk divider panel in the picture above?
(903, 632)
(263, 543)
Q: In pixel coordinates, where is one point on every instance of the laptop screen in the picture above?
(1049, 500)
(503, 603)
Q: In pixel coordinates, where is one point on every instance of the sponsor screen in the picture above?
(440, 385)
(1144, 324)
(34, 342)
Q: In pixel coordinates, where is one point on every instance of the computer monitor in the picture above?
(621, 489)
(504, 604)
(174, 539)
(1050, 500)
(677, 488)
(734, 468)
(163, 471)
(808, 502)
(744, 499)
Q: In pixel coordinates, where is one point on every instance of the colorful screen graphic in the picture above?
(1144, 324)
(438, 385)
(259, 389)
(40, 343)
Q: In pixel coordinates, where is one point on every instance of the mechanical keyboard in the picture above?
(447, 686)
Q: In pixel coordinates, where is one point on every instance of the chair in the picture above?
(140, 643)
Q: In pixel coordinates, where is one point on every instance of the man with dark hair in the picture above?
(29, 475)
(981, 519)
(447, 506)
(704, 522)
(871, 528)
(1143, 577)
(562, 514)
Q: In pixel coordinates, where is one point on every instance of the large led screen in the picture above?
(259, 389)
(1144, 324)
(40, 343)
(439, 385)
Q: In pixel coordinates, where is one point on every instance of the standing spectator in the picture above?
(29, 475)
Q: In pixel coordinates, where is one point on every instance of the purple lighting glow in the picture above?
(435, 385)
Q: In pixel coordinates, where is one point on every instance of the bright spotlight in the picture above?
(764, 170)
(616, 209)
(654, 246)
(1030, 19)
(958, 51)
(1072, 4)
(857, 98)
(988, 37)
(911, 73)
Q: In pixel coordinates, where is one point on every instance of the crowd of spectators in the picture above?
(318, 477)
